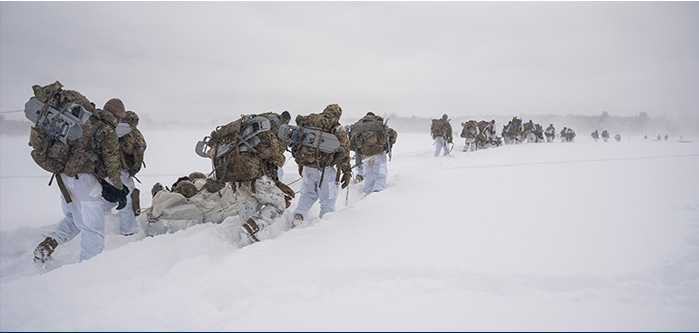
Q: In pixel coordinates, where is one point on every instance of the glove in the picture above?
(288, 192)
(346, 177)
(112, 194)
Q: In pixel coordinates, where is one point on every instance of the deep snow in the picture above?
(563, 236)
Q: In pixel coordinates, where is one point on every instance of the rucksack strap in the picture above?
(62, 187)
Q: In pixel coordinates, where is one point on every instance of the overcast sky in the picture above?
(221, 59)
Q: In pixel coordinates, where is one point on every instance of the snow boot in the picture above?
(251, 228)
(43, 251)
(298, 218)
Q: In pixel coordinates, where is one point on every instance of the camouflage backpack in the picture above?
(311, 156)
(251, 145)
(470, 129)
(132, 146)
(369, 135)
(52, 151)
(515, 125)
(437, 128)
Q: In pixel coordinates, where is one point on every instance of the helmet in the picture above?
(196, 175)
(333, 110)
(186, 188)
(131, 118)
(116, 107)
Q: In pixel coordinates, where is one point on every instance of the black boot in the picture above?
(44, 250)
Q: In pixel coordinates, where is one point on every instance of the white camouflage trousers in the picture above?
(84, 214)
(312, 189)
(440, 143)
(264, 205)
(127, 218)
(375, 172)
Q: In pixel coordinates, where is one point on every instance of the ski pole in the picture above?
(347, 196)
(295, 181)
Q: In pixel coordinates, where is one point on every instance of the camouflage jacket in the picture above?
(342, 155)
(97, 151)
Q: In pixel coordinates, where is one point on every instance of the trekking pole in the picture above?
(347, 196)
(295, 181)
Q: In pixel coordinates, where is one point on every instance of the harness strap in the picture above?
(62, 187)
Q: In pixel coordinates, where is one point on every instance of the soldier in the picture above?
(441, 133)
(373, 140)
(550, 133)
(605, 135)
(132, 147)
(261, 198)
(595, 135)
(82, 205)
(320, 179)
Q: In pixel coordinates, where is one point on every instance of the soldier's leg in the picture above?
(381, 173)
(127, 218)
(438, 146)
(66, 229)
(328, 191)
(90, 218)
(309, 190)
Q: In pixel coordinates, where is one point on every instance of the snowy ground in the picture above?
(577, 236)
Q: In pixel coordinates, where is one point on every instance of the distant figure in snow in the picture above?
(550, 133)
(441, 133)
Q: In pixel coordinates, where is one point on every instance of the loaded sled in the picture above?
(172, 211)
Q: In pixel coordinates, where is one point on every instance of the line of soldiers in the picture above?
(481, 134)
(605, 136)
(253, 167)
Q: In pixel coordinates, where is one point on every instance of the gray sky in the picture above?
(221, 59)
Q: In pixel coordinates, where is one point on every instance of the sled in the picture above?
(171, 211)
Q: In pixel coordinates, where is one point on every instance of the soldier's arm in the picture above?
(344, 157)
(109, 143)
(392, 136)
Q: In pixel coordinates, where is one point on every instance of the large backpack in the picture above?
(313, 156)
(369, 135)
(515, 125)
(470, 129)
(62, 129)
(132, 145)
(437, 128)
(238, 148)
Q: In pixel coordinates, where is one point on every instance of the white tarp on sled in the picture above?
(171, 211)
